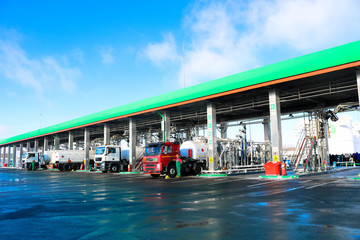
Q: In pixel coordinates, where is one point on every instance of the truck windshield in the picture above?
(30, 155)
(99, 150)
(153, 151)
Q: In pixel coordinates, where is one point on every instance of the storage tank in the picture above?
(47, 157)
(341, 139)
(194, 149)
(139, 153)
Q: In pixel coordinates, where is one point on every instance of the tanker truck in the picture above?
(35, 160)
(159, 158)
(67, 160)
(114, 158)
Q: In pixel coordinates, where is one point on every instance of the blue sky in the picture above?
(60, 60)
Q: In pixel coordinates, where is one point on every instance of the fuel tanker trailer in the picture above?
(35, 160)
(67, 160)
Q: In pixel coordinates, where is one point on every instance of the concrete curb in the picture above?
(213, 175)
(280, 177)
(354, 178)
(129, 172)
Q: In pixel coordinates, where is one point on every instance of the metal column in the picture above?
(36, 145)
(358, 84)
(326, 147)
(13, 164)
(211, 126)
(56, 141)
(2, 156)
(167, 126)
(275, 124)
(87, 147)
(27, 146)
(106, 134)
(223, 128)
(46, 144)
(21, 151)
(9, 155)
(132, 142)
(71, 141)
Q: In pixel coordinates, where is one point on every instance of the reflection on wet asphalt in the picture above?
(71, 205)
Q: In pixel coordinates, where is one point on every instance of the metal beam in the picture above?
(132, 142)
(211, 126)
(275, 124)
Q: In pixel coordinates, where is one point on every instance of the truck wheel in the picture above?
(114, 168)
(198, 168)
(76, 167)
(171, 172)
(67, 167)
(155, 175)
(61, 167)
(28, 166)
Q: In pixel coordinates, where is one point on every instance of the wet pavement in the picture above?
(79, 205)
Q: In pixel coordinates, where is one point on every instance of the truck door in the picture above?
(111, 154)
(168, 154)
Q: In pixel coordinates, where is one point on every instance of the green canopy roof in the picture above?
(336, 56)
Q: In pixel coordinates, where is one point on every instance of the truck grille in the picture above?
(97, 159)
(149, 166)
(151, 159)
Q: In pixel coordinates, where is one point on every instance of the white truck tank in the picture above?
(139, 153)
(194, 149)
(64, 156)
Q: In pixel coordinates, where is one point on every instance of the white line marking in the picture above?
(225, 182)
(322, 184)
(264, 183)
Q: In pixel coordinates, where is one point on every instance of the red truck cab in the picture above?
(159, 158)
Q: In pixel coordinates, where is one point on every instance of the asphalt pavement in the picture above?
(82, 205)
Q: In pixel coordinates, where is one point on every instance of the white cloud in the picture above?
(4, 132)
(164, 52)
(107, 54)
(39, 74)
(233, 36)
(310, 25)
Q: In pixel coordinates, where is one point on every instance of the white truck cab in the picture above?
(108, 158)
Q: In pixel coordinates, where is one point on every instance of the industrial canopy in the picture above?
(333, 59)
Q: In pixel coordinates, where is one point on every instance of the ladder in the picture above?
(304, 150)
